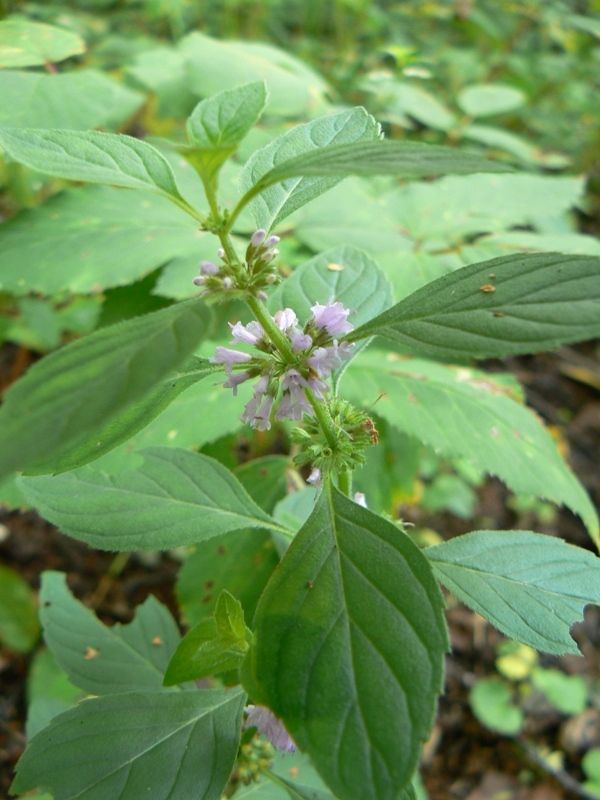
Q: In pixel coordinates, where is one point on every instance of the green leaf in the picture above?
(76, 100)
(505, 306)
(530, 586)
(133, 418)
(404, 159)
(27, 44)
(296, 508)
(265, 479)
(343, 273)
(93, 157)
(103, 660)
(49, 692)
(174, 498)
(349, 654)
(93, 238)
(298, 792)
(19, 629)
(239, 561)
(264, 167)
(171, 744)
(463, 412)
(213, 646)
(218, 124)
(492, 704)
(80, 388)
(483, 99)
(567, 693)
(212, 65)
(405, 98)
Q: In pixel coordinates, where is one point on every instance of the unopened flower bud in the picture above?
(258, 237)
(208, 268)
(221, 252)
(272, 241)
(227, 282)
(199, 280)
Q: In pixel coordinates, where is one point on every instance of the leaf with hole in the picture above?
(532, 587)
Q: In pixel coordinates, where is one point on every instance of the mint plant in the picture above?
(336, 651)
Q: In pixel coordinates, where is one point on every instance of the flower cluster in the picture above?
(253, 275)
(282, 383)
(355, 432)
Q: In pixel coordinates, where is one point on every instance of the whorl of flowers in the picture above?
(281, 384)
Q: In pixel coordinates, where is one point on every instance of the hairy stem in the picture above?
(324, 417)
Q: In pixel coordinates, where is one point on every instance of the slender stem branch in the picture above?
(278, 338)
(324, 418)
(345, 481)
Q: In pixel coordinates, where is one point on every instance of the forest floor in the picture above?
(462, 760)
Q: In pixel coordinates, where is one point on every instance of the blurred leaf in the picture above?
(174, 498)
(76, 100)
(419, 104)
(28, 44)
(79, 389)
(240, 562)
(567, 693)
(296, 508)
(213, 65)
(93, 238)
(19, 629)
(532, 587)
(483, 99)
(493, 706)
(140, 739)
(265, 480)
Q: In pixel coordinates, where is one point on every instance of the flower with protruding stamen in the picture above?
(285, 319)
(251, 333)
(300, 341)
(228, 357)
(234, 380)
(333, 318)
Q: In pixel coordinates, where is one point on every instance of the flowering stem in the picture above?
(345, 481)
(278, 338)
(324, 418)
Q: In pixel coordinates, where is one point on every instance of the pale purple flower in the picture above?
(315, 477)
(300, 341)
(208, 268)
(272, 241)
(251, 333)
(360, 499)
(266, 722)
(258, 237)
(285, 319)
(258, 409)
(228, 357)
(332, 317)
(234, 380)
(294, 404)
(324, 360)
